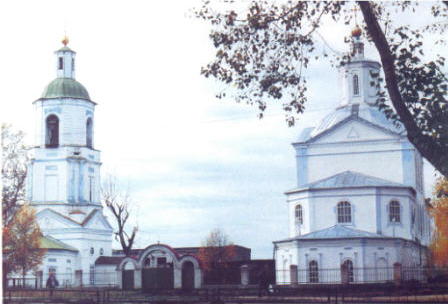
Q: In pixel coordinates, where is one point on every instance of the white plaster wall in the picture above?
(67, 70)
(362, 69)
(403, 229)
(72, 114)
(375, 162)
(67, 262)
(330, 254)
(106, 275)
(293, 225)
(72, 166)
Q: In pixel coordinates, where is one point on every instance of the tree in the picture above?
(262, 53)
(21, 243)
(439, 211)
(14, 170)
(119, 204)
(215, 253)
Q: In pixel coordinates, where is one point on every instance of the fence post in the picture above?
(397, 273)
(98, 296)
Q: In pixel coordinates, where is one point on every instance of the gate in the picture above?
(157, 278)
(187, 276)
(128, 279)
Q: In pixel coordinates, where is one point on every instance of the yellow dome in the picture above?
(356, 32)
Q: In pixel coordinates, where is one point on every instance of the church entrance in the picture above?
(188, 276)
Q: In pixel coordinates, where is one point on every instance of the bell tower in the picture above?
(357, 76)
(64, 172)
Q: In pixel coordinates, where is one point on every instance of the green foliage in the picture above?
(21, 243)
(262, 51)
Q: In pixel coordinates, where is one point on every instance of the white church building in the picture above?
(64, 178)
(358, 210)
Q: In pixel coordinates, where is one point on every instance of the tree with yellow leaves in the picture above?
(439, 211)
(21, 243)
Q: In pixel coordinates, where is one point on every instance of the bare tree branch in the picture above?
(119, 205)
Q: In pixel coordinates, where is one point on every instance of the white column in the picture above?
(138, 279)
(120, 279)
(244, 275)
(177, 277)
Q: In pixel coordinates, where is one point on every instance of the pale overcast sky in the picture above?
(193, 163)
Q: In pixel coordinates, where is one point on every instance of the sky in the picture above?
(191, 162)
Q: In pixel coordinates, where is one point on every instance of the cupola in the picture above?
(65, 61)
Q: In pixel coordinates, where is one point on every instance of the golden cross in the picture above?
(355, 10)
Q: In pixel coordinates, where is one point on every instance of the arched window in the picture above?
(347, 271)
(394, 212)
(299, 214)
(344, 212)
(52, 132)
(313, 272)
(355, 85)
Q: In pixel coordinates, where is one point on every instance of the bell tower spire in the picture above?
(65, 61)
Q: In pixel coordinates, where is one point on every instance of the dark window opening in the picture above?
(344, 212)
(73, 64)
(90, 188)
(161, 262)
(89, 131)
(92, 275)
(61, 63)
(92, 250)
(394, 212)
(355, 85)
(299, 214)
(52, 132)
(347, 271)
(313, 272)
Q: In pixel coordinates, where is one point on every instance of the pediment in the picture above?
(96, 220)
(49, 219)
(354, 130)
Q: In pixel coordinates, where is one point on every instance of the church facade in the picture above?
(358, 209)
(64, 178)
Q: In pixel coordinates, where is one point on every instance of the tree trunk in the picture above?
(427, 146)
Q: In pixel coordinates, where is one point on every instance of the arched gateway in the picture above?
(160, 267)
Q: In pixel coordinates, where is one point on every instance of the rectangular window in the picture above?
(91, 181)
(69, 261)
(161, 262)
(61, 63)
(92, 275)
(51, 260)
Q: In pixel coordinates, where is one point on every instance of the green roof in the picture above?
(65, 87)
(65, 49)
(47, 242)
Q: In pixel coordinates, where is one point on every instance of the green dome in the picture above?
(65, 87)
